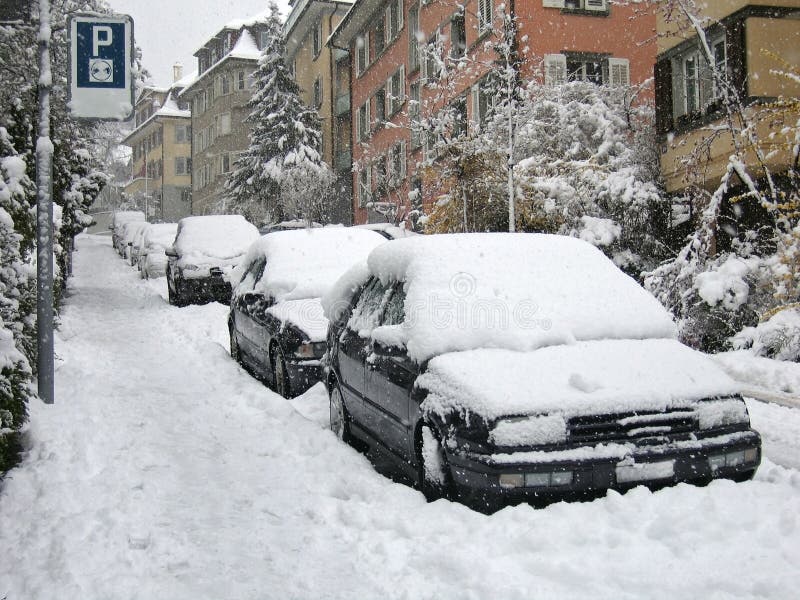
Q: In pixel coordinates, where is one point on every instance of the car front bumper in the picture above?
(587, 470)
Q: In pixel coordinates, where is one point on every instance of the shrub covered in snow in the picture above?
(777, 337)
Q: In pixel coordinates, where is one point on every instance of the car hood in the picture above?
(595, 377)
(305, 315)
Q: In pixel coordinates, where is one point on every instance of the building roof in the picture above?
(353, 23)
(297, 25)
(169, 109)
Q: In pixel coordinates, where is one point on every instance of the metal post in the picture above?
(44, 217)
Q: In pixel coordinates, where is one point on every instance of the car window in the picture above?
(395, 312)
(367, 312)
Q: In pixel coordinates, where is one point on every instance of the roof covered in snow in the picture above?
(512, 291)
(305, 263)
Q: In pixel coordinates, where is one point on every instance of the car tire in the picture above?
(434, 476)
(339, 417)
(175, 298)
(235, 352)
(280, 378)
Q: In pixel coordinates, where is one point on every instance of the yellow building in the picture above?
(689, 107)
(313, 63)
(161, 164)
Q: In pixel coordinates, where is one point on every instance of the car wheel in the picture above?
(235, 354)
(280, 378)
(175, 298)
(340, 419)
(433, 471)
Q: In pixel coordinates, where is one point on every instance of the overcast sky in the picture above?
(170, 31)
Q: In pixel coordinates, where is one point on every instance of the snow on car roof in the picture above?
(214, 236)
(596, 377)
(123, 216)
(514, 291)
(306, 263)
(160, 235)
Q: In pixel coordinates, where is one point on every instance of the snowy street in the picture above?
(165, 471)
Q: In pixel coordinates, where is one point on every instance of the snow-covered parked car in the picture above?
(205, 252)
(388, 230)
(152, 256)
(118, 219)
(130, 231)
(503, 368)
(135, 245)
(276, 324)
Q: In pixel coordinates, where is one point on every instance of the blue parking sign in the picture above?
(101, 55)
(101, 67)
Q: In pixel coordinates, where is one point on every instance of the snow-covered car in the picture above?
(276, 324)
(129, 233)
(152, 256)
(205, 252)
(118, 219)
(502, 368)
(287, 226)
(388, 230)
(135, 245)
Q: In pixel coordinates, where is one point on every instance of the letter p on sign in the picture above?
(97, 41)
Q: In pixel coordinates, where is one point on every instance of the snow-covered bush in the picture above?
(777, 337)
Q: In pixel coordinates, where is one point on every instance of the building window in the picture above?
(483, 101)
(181, 134)
(694, 86)
(225, 163)
(362, 53)
(223, 124)
(413, 40)
(363, 122)
(316, 38)
(598, 69)
(364, 187)
(379, 35)
(380, 107)
(318, 92)
(458, 36)
(240, 80)
(459, 112)
(619, 72)
(484, 15)
(580, 68)
(396, 90)
(414, 112)
(263, 40)
(432, 67)
(588, 5)
(182, 165)
(379, 177)
(226, 85)
(397, 164)
(394, 18)
(226, 43)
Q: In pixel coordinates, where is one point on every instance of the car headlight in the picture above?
(722, 412)
(311, 350)
(529, 431)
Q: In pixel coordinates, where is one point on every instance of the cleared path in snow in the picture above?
(165, 471)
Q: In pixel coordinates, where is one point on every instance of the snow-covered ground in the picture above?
(165, 471)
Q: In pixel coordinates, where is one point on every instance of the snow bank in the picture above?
(759, 372)
(213, 240)
(777, 337)
(597, 377)
(306, 263)
(512, 291)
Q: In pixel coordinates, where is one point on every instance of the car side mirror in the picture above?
(170, 252)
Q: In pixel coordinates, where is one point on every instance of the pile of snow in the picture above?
(597, 377)
(513, 291)
(213, 240)
(305, 263)
(725, 285)
(778, 337)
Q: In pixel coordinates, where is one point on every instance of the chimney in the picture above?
(177, 72)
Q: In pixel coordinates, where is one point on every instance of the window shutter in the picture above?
(598, 5)
(555, 69)
(366, 51)
(663, 89)
(402, 159)
(553, 3)
(400, 12)
(619, 71)
(735, 50)
(475, 94)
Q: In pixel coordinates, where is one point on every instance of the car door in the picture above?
(354, 347)
(389, 377)
(245, 305)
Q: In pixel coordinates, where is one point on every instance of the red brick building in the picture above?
(409, 58)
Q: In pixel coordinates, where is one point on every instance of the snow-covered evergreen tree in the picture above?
(17, 301)
(281, 175)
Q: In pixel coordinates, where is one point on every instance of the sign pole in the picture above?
(44, 217)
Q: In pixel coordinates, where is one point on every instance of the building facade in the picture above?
(161, 163)
(313, 63)
(410, 58)
(218, 98)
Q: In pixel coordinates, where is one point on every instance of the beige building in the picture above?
(218, 98)
(161, 164)
(740, 36)
(314, 66)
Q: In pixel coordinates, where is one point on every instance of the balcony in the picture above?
(342, 104)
